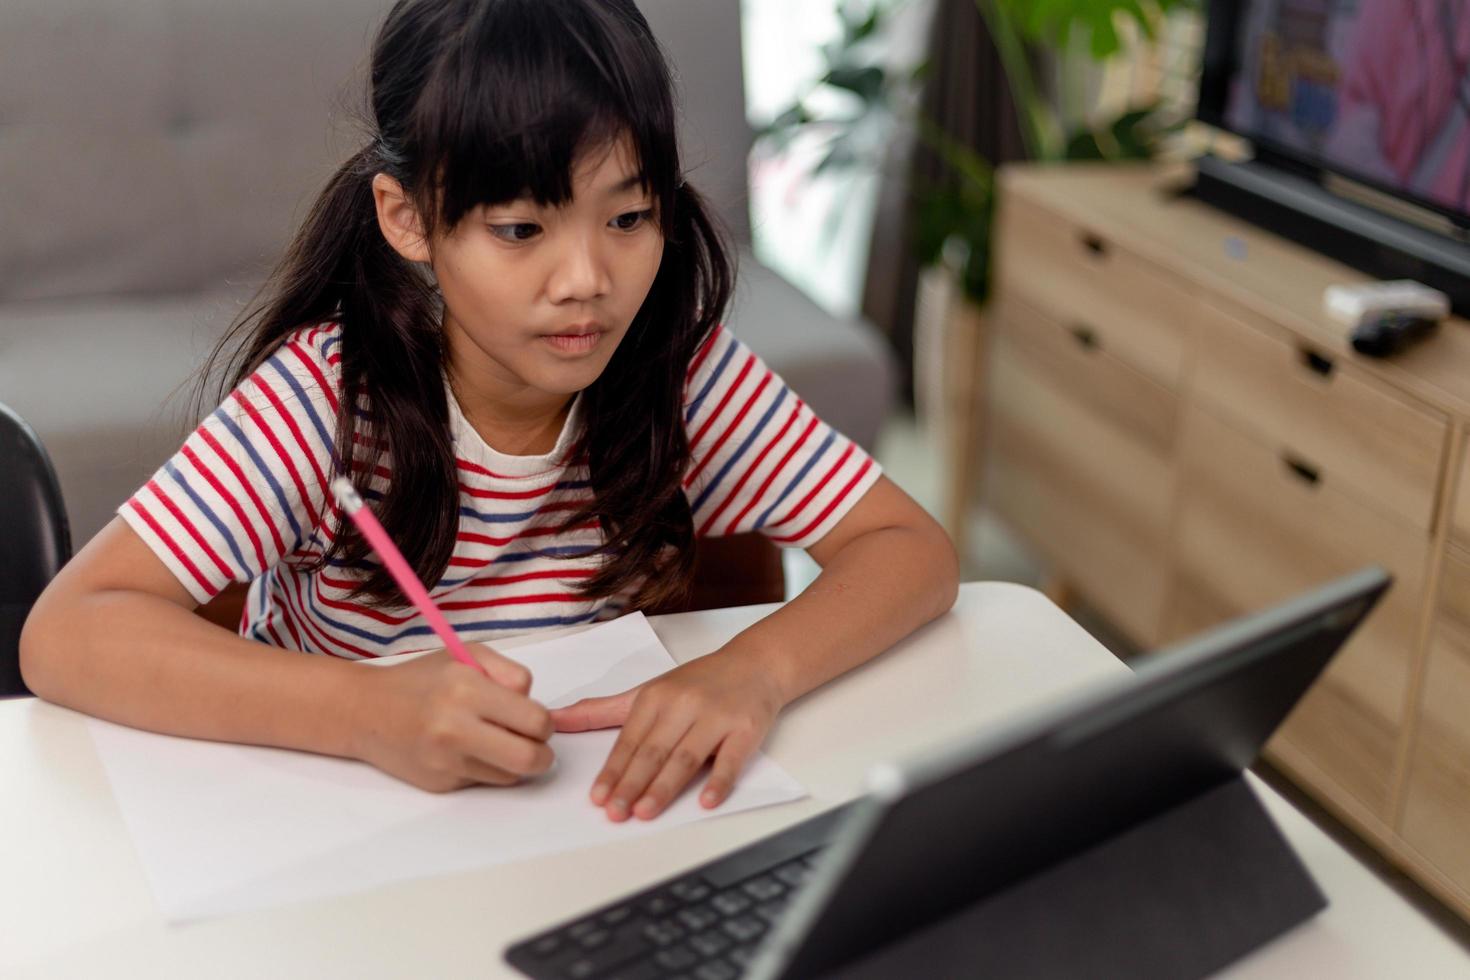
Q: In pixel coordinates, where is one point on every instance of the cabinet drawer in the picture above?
(1460, 516)
(1091, 496)
(1382, 449)
(1079, 278)
(1436, 820)
(1077, 364)
(1253, 531)
(1454, 588)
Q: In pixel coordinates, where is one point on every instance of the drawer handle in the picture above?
(1303, 471)
(1316, 363)
(1085, 336)
(1094, 244)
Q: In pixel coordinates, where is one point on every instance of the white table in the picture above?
(74, 902)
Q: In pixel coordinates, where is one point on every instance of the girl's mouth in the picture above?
(574, 343)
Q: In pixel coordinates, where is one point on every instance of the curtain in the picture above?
(966, 94)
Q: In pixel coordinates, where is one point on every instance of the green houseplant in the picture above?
(952, 218)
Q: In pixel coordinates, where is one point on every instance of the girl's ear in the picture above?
(398, 220)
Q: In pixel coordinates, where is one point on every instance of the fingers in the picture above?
(505, 751)
(729, 760)
(592, 713)
(511, 710)
(633, 735)
(686, 759)
(483, 772)
(501, 669)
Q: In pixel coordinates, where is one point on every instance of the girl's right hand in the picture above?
(441, 725)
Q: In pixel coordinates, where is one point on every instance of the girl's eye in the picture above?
(631, 219)
(522, 232)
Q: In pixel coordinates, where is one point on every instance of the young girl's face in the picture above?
(538, 298)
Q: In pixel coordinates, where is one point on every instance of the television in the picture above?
(1336, 96)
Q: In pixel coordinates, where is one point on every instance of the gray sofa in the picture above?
(155, 155)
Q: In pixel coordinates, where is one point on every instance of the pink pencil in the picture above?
(352, 505)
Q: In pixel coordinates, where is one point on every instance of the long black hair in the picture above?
(481, 102)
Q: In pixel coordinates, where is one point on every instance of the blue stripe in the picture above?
(708, 385)
(801, 475)
(306, 402)
(208, 512)
(744, 447)
(329, 343)
(498, 518)
(265, 472)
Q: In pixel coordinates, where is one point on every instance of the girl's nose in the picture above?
(581, 273)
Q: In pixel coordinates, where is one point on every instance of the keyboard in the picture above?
(702, 925)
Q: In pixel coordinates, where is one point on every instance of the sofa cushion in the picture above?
(106, 386)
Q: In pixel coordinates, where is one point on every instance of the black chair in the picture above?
(34, 538)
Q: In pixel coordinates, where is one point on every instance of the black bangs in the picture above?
(528, 87)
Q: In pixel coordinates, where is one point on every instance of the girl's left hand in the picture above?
(720, 705)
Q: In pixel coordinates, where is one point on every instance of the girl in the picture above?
(501, 320)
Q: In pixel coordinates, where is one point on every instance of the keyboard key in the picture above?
(711, 943)
(676, 958)
(742, 955)
(594, 939)
(772, 910)
(690, 889)
(717, 970)
(615, 916)
(764, 888)
(582, 969)
(663, 933)
(698, 917)
(732, 902)
(794, 874)
(582, 928)
(744, 928)
(644, 970)
(546, 945)
(660, 905)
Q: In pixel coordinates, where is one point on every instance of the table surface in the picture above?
(74, 900)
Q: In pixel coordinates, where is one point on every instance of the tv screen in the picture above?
(1375, 90)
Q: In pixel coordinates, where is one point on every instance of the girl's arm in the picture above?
(887, 569)
(114, 635)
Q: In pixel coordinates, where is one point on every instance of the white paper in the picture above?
(224, 828)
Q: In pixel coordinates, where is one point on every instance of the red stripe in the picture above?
(228, 498)
(730, 430)
(465, 464)
(729, 393)
(173, 547)
(703, 352)
(286, 615)
(801, 504)
(760, 494)
(829, 508)
(239, 474)
(319, 633)
(270, 436)
(307, 449)
(276, 637)
(749, 471)
(508, 494)
(316, 372)
(188, 525)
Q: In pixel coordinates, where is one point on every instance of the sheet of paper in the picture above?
(224, 828)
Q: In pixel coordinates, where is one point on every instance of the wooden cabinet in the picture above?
(1176, 428)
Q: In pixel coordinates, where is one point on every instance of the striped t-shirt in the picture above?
(245, 500)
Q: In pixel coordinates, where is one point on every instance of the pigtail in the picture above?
(339, 268)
